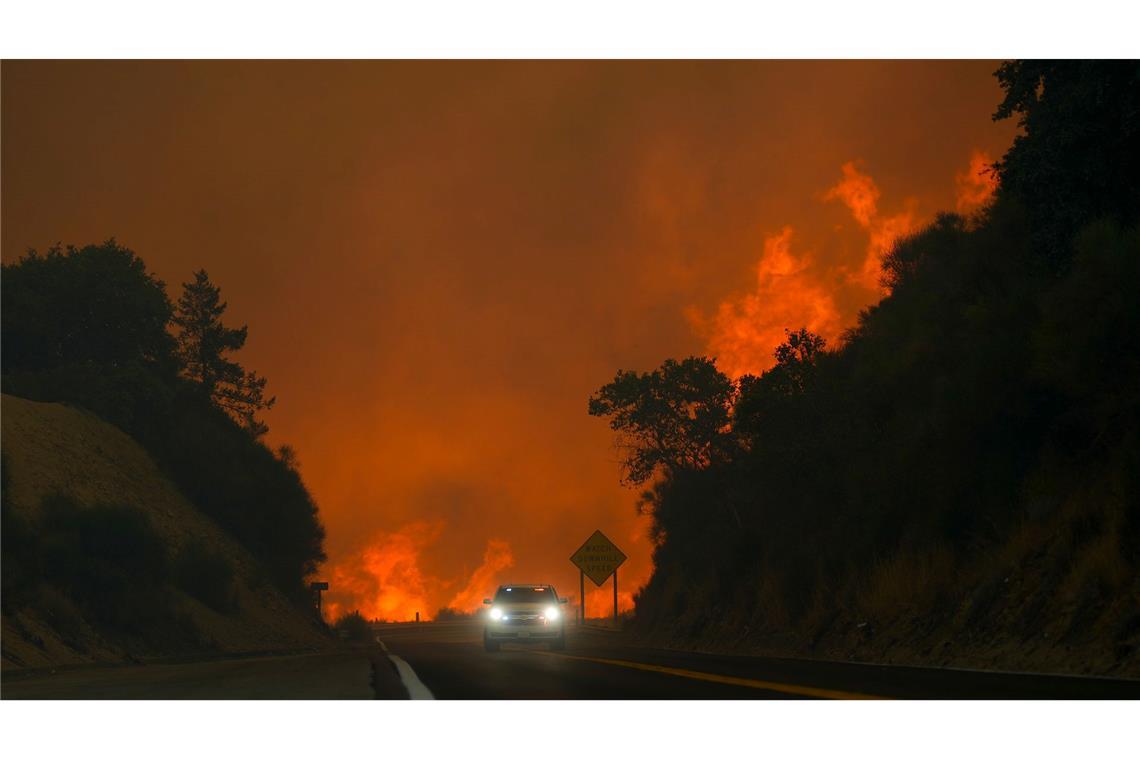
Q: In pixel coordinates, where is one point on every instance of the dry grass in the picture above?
(906, 582)
(1098, 564)
(54, 448)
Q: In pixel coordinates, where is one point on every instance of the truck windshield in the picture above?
(525, 594)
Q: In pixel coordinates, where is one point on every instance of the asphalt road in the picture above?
(447, 661)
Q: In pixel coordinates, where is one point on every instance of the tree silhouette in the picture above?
(204, 344)
(796, 358)
(89, 327)
(758, 398)
(675, 417)
(92, 306)
(994, 391)
(1079, 154)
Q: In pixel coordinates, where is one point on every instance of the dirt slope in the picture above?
(1053, 599)
(57, 448)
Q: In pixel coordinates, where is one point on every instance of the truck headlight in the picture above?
(551, 613)
(496, 613)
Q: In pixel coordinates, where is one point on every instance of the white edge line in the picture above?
(412, 683)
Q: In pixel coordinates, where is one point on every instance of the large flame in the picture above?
(977, 184)
(796, 289)
(789, 290)
(385, 581)
(600, 601)
(496, 558)
(860, 194)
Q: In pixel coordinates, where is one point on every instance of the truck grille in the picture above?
(523, 619)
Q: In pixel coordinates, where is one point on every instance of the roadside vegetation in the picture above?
(100, 568)
(93, 328)
(205, 574)
(353, 626)
(961, 474)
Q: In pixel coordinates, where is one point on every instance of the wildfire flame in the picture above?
(600, 601)
(977, 184)
(496, 558)
(384, 580)
(789, 290)
(794, 289)
(860, 194)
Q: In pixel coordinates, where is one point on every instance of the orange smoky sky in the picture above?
(440, 261)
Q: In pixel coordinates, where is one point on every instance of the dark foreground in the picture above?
(447, 661)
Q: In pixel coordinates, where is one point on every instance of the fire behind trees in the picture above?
(977, 424)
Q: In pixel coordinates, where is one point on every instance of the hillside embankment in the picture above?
(1056, 597)
(71, 592)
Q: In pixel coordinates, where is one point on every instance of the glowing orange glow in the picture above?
(977, 184)
(600, 601)
(384, 580)
(496, 558)
(794, 290)
(789, 290)
(861, 195)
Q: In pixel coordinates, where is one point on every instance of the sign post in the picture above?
(598, 558)
(615, 596)
(317, 587)
(581, 597)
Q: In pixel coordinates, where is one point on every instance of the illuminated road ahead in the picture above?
(447, 661)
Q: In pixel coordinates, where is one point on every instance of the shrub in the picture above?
(252, 492)
(109, 560)
(62, 614)
(206, 575)
(354, 627)
(18, 557)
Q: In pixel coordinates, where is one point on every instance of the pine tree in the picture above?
(203, 345)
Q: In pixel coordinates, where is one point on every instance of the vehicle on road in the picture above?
(525, 613)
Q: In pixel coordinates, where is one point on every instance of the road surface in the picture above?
(447, 661)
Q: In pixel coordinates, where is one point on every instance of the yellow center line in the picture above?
(784, 688)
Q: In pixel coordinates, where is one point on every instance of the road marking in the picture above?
(412, 683)
(785, 688)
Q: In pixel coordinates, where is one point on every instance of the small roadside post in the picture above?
(581, 597)
(317, 587)
(598, 558)
(615, 596)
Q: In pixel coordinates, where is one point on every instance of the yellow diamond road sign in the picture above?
(598, 558)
